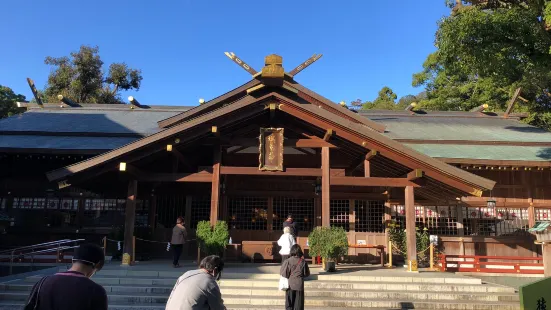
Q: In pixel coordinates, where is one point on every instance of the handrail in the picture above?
(54, 246)
(33, 246)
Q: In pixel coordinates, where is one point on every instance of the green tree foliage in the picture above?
(328, 242)
(213, 240)
(8, 99)
(485, 50)
(81, 78)
(386, 100)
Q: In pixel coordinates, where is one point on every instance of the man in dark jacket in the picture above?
(291, 224)
(73, 289)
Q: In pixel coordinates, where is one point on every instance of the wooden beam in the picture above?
(511, 104)
(328, 135)
(371, 154)
(255, 88)
(367, 168)
(67, 101)
(314, 172)
(411, 238)
(273, 108)
(363, 181)
(35, 92)
(241, 63)
(181, 158)
(480, 108)
(130, 219)
(247, 142)
(215, 190)
(415, 174)
(325, 187)
(134, 102)
(304, 65)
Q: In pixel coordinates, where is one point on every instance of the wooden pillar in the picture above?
(367, 168)
(80, 212)
(531, 215)
(270, 215)
(153, 212)
(187, 215)
(130, 219)
(215, 192)
(325, 187)
(352, 215)
(460, 226)
(410, 229)
(546, 252)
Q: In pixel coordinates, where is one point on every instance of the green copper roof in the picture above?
(488, 152)
(459, 127)
(540, 227)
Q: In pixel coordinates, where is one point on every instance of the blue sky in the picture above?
(179, 44)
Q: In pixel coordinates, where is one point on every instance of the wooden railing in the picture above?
(491, 264)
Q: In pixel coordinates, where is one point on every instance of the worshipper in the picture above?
(291, 224)
(295, 269)
(179, 235)
(198, 289)
(72, 289)
(286, 241)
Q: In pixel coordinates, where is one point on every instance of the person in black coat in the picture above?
(292, 225)
(295, 269)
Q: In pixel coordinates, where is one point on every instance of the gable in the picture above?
(236, 114)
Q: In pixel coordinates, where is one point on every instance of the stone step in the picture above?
(439, 278)
(144, 294)
(375, 301)
(341, 285)
(19, 306)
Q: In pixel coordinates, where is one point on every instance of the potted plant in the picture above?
(212, 240)
(330, 243)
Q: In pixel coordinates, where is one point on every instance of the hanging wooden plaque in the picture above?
(271, 149)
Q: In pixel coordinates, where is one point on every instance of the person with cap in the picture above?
(72, 289)
(291, 224)
(198, 289)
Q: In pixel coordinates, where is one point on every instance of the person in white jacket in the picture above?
(285, 242)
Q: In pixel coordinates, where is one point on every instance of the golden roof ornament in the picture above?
(273, 72)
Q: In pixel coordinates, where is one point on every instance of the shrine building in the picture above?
(478, 180)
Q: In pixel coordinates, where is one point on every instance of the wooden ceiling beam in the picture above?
(415, 174)
(328, 135)
(248, 142)
(314, 172)
(362, 181)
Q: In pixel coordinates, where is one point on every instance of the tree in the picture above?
(487, 49)
(8, 99)
(80, 77)
(386, 100)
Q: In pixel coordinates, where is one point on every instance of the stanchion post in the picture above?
(133, 249)
(432, 256)
(389, 254)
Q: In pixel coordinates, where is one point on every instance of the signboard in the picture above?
(271, 149)
(536, 295)
(361, 242)
(433, 239)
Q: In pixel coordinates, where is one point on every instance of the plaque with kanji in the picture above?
(271, 149)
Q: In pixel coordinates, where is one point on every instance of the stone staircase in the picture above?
(247, 289)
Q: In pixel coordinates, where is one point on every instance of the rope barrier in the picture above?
(154, 241)
(398, 250)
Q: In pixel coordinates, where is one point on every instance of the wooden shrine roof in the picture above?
(318, 116)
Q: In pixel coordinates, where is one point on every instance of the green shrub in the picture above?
(328, 242)
(212, 241)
